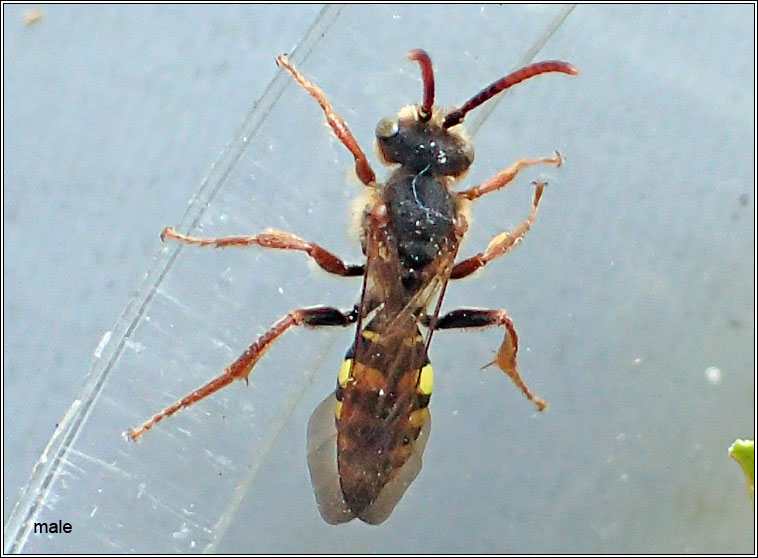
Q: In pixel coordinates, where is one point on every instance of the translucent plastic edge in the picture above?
(47, 469)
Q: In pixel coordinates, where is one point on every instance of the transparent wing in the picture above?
(322, 464)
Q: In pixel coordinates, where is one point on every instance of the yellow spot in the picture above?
(370, 335)
(426, 381)
(417, 418)
(347, 364)
(337, 408)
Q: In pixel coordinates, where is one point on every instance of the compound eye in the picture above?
(387, 128)
(468, 154)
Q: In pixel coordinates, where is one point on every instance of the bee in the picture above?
(367, 438)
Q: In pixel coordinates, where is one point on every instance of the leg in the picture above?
(506, 354)
(362, 168)
(501, 244)
(505, 177)
(240, 368)
(274, 239)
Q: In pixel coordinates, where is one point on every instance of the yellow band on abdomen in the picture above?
(426, 381)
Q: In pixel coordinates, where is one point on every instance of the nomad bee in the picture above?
(365, 441)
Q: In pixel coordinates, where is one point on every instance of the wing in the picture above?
(322, 464)
(395, 299)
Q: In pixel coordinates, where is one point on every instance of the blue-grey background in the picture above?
(633, 294)
(113, 116)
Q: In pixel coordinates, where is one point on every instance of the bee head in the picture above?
(422, 137)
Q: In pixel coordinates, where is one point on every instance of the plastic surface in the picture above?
(632, 288)
(113, 116)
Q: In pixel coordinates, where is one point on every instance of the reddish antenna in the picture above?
(457, 116)
(427, 75)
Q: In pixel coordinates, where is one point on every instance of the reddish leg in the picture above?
(505, 177)
(362, 168)
(240, 368)
(506, 354)
(274, 239)
(501, 244)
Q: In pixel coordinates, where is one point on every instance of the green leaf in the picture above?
(743, 452)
